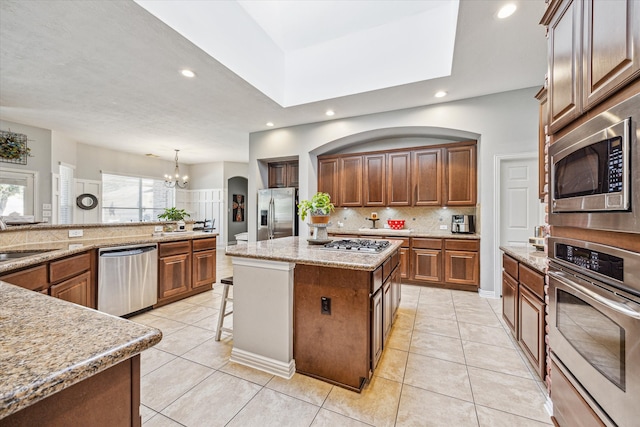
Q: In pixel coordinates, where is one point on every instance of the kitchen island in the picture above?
(298, 306)
(62, 364)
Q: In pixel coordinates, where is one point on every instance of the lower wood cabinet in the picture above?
(76, 290)
(510, 302)
(204, 263)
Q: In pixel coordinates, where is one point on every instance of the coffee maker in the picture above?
(462, 224)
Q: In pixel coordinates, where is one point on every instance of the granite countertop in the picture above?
(298, 250)
(47, 345)
(407, 232)
(528, 256)
(59, 249)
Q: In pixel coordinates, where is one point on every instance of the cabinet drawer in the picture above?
(395, 259)
(462, 245)
(386, 269)
(174, 248)
(69, 267)
(532, 280)
(405, 242)
(33, 279)
(422, 243)
(377, 280)
(204, 244)
(510, 265)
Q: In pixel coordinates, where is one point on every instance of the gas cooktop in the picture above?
(359, 245)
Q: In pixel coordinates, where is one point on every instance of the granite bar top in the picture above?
(58, 249)
(528, 256)
(388, 232)
(299, 251)
(47, 345)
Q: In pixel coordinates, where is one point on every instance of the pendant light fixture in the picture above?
(172, 181)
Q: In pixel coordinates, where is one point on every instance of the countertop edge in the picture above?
(531, 257)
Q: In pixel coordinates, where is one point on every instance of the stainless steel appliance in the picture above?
(594, 172)
(358, 245)
(127, 279)
(594, 313)
(277, 213)
(462, 224)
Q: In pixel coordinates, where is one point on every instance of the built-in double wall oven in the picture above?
(594, 320)
(595, 172)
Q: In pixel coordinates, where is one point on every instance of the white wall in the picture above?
(503, 123)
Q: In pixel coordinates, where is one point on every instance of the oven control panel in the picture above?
(603, 263)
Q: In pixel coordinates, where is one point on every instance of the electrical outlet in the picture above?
(157, 228)
(443, 226)
(325, 305)
(75, 233)
(75, 246)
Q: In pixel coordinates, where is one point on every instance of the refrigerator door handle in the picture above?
(272, 218)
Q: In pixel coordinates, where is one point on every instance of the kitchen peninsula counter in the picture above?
(51, 350)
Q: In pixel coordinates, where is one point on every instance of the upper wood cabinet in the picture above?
(594, 50)
(328, 178)
(375, 180)
(399, 181)
(460, 176)
(541, 96)
(427, 177)
(350, 181)
(283, 174)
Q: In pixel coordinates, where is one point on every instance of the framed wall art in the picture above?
(238, 207)
(13, 147)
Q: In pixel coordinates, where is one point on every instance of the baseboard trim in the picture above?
(262, 363)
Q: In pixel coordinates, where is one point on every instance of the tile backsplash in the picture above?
(416, 218)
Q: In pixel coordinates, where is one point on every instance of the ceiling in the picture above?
(105, 73)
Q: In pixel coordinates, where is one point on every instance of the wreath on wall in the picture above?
(13, 147)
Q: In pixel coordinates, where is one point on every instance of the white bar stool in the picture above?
(227, 282)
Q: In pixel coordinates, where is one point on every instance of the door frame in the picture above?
(497, 187)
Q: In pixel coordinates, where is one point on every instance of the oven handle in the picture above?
(595, 294)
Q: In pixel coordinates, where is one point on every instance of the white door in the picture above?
(520, 209)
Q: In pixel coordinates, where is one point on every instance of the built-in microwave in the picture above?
(595, 172)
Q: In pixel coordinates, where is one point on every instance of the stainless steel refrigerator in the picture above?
(277, 213)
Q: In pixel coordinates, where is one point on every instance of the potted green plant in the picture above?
(318, 208)
(174, 214)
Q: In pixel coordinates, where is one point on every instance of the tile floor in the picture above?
(449, 361)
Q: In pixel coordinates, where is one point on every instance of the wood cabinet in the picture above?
(427, 177)
(72, 278)
(329, 178)
(426, 260)
(523, 309)
(462, 262)
(375, 180)
(593, 51)
(405, 259)
(399, 181)
(460, 176)
(423, 176)
(541, 96)
(283, 174)
(377, 328)
(204, 263)
(350, 172)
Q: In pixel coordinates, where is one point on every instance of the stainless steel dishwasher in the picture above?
(127, 278)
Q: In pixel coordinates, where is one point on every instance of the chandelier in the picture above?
(174, 180)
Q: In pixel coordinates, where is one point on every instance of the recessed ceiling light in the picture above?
(270, 124)
(187, 73)
(440, 94)
(506, 10)
(330, 113)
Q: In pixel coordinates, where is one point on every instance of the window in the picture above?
(133, 199)
(17, 190)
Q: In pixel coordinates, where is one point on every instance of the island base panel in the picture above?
(109, 398)
(333, 347)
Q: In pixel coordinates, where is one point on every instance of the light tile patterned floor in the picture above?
(449, 361)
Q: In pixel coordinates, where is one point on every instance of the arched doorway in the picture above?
(237, 191)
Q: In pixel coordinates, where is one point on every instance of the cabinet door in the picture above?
(375, 180)
(76, 290)
(277, 175)
(328, 179)
(427, 177)
(292, 171)
(34, 278)
(396, 292)
(204, 268)
(174, 275)
(564, 65)
(510, 302)
(427, 265)
(531, 329)
(611, 55)
(404, 263)
(460, 176)
(541, 96)
(462, 267)
(399, 178)
(387, 310)
(376, 328)
(351, 181)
